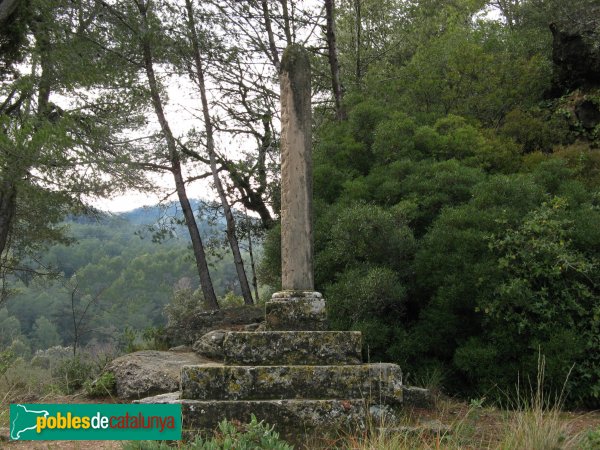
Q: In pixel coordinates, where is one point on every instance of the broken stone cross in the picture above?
(297, 306)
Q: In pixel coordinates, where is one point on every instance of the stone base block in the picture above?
(291, 418)
(296, 310)
(273, 348)
(417, 397)
(375, 383)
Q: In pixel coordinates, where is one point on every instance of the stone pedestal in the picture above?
(298, 380)
(296, 310)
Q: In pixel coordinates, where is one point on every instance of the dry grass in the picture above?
(530, 421)
(537, 422)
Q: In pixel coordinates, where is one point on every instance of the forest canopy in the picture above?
(456, 166)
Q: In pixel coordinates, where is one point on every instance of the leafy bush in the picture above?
(394, 139)
(20, 380)
(547, 299)
(7, 358)
(230, 299)
(363, 120)
(151, 338)
(102, 386)
(71, 374)
(182, 304)
(501, 284)
(52, 356)
(532, 133)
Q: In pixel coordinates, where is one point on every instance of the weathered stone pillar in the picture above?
(297, 306)
(296, 172)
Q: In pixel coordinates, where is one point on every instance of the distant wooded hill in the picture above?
(126, 265)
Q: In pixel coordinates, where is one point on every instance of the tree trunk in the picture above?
(269, 28)
(286, 22)
(252, 265)
(358, 37)
(210, 145)
(252, 198)
(333, 61)
(205, 281)
(8, 206)
(7, 7)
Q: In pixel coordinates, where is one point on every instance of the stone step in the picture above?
(291, 418)
(376, 383)
(270, 348)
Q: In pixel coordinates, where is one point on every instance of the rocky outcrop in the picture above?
(588, 113)
(576, 85)
(150, 372)
(211, 345)
(576, 52)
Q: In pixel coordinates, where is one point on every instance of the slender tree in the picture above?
(333, 60)
(210, 146)
(173, 154)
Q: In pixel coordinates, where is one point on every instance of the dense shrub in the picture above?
(457, 257)
(71, 374)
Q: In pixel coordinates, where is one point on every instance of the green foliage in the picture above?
(458, 73)
(230, 299)
(127, 340)
(102, 386)
(449, 253)
(128, 279)
(395, 139)
(269, 269)
(532, 288)
(155, 338)
(7, 358)
(547, 299)
(21, 380)
(353, 240)
(531, 132)
(10, 328)
(65, 146)
(151, 338)
(367, 273)
(72, 374)
(45, 334)
(591, 440)
(183, 303)
(21, 347)
(363, 121)
(229, 436)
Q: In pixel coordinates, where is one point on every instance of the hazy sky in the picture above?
(180, 111)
